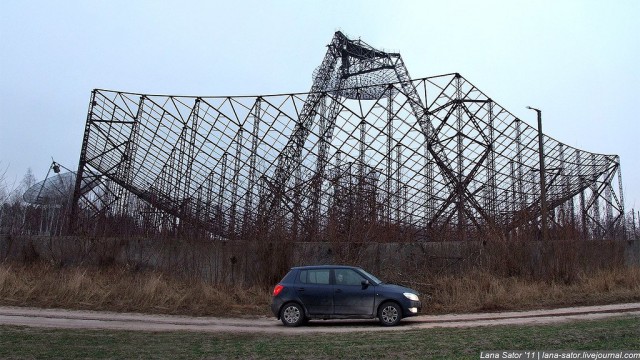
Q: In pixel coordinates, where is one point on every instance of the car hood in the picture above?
(396, 288)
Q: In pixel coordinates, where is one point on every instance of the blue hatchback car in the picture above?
(340, 292)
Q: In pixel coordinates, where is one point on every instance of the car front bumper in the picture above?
(413, 308)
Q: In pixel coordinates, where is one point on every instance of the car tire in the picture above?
(389, 314)
(292, 315)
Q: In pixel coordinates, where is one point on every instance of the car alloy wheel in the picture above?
(292, 315)
(389, 314)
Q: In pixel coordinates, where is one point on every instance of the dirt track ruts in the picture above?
(78, 319)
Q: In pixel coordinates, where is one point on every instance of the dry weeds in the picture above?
(482, 291)
(122, 289)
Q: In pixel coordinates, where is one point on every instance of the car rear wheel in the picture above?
(292, 315)
(389, 314)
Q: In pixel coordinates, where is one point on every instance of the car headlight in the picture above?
(411, 296)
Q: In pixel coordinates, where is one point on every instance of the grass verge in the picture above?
(611, 334)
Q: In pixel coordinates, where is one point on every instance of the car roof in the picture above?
(324, 267)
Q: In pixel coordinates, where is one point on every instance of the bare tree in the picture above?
(14, 195)
(3, 186)
(28, 180)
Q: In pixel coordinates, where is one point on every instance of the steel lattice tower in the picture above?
(367, 154)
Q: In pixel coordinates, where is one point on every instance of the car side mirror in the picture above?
(364, 283)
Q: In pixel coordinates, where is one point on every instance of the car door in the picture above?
(350, 296)
(315, 291)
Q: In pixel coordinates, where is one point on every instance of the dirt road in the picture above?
(74, 319)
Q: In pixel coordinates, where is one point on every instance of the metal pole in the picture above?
(543, 185)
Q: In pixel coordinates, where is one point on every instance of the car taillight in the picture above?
(277, 289)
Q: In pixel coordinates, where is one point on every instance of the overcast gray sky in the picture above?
(577, 61)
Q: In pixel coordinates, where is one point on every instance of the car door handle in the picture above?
(338, 290)
(300, 289)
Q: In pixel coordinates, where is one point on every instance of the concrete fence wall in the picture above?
(251, 263)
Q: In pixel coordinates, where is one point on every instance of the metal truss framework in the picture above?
(433, 157)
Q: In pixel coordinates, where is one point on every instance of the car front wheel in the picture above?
(292, 315)
(389, 314)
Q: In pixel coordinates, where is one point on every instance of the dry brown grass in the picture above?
(122, 289)
(482, 291)
(119, 289)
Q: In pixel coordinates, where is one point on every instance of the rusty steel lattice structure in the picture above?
(367, 149)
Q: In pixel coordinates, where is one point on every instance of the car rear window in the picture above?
(320, 276)
(289, 278)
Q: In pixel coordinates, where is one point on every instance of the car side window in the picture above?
(348, 277)
(319, 277)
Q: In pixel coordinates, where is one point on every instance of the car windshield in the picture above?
(375, 280)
